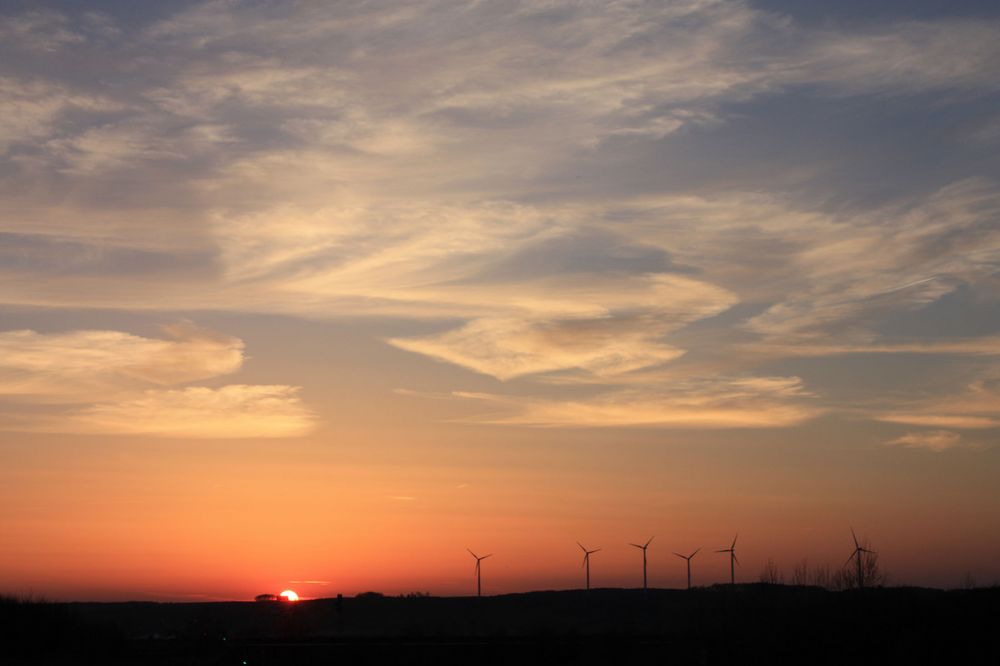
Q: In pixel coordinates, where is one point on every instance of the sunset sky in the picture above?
(315, 296)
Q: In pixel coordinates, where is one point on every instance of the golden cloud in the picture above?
(77, 366)
(749, 402)
(932, 440)
(234, 411)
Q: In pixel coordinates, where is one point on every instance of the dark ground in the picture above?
(748, 624)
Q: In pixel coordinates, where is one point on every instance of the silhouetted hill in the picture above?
(754, 623)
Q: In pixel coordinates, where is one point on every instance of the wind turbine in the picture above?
(643, 548)
(586, 561)
(858, 550)
(479, 572)
(688, 558)
(732, 560)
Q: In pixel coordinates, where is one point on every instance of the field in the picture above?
(753, 623)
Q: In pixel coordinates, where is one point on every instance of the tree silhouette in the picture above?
(771, 574)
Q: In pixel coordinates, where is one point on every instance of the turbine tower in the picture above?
(688, 558)
(732, 560)
(643, 548)
(857, 554)
(586, 561)
(479, 572)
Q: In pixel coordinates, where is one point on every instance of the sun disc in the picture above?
(289, 595)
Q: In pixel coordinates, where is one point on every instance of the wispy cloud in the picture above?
(234, 411)
(907, 56)
(100, 382)
(976, 407)
(318, 160)
(77, 365)
(722, 403)
(632, 317)
(39, 31)
(30, 108)
(932, 440)
(823, 276)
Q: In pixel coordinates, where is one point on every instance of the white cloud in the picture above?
(982, 346)
(234, 411)
(379, 159)
(98, 382)
(30, 108)
(76, 366)
(825, 276)
(932, 440)
(907, 56)
(721, 403)
(977, 407)
(624, 331)
(38, 31)
(507, 348)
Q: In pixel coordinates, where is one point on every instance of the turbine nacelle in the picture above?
(587, 553)
(687, 557)
(479, 558)
(731, 550)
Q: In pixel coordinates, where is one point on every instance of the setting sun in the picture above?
(289, 595)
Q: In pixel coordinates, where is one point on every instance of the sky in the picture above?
(318, 295)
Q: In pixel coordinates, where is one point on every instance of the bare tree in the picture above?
(842, 579)
(800, 574)
(821, 576)
(771, 574)
(875, 575)
(869, 574)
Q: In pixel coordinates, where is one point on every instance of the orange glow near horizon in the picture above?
(169, 530)
(289, 595)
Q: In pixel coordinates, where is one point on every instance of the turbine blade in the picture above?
(581, 546)
(471, 553)
(724, 550)
(735, 559)
(851, 557)
(485, 556)
(855, 537)
(636, 545)
(694, 553)
(734, 540)
(680, 556)
(650, 541)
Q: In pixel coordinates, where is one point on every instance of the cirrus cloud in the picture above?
(98, 382)
(931, 440)
(975, 407)
(622, 331)
(410, 161)
(718, 403)
(75, 365)
(233, 411)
